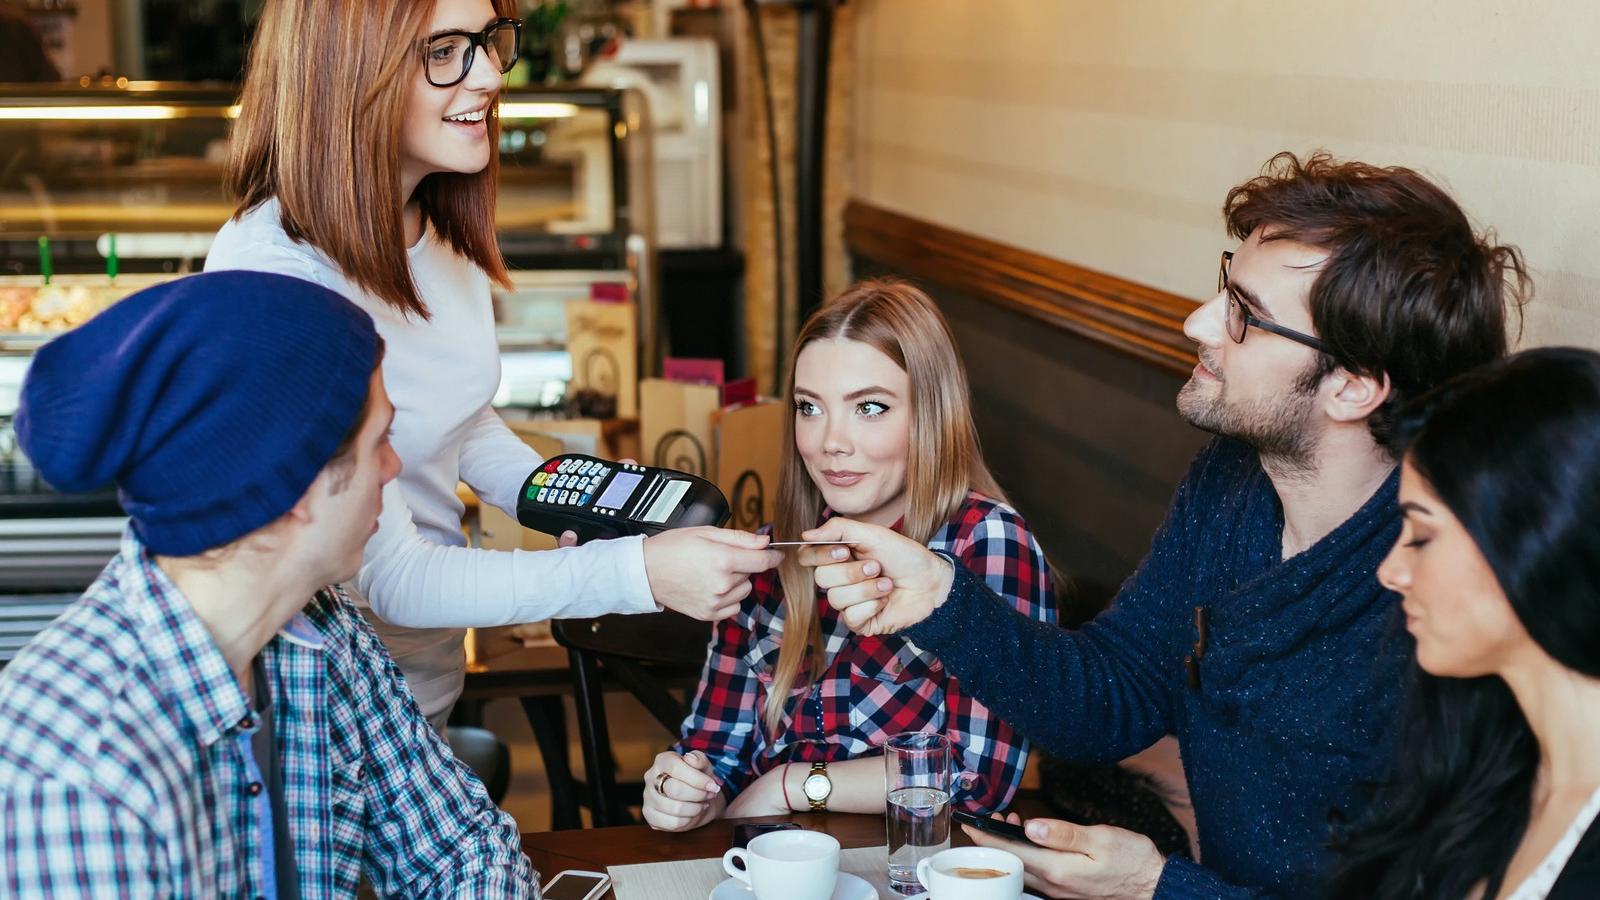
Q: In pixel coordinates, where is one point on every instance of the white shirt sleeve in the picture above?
(413, 582)
(495, 462)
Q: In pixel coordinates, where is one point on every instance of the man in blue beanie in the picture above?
(212, 718)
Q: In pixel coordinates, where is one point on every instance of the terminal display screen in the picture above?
(619, 490)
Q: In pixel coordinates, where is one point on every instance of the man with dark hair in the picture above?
(213, 718)
(1406, 290)
(1255, 630)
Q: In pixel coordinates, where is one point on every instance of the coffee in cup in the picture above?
(972, 873)
(787, 865)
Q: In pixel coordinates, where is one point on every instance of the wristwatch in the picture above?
(818, 786)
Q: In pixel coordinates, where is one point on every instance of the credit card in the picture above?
(813, 543)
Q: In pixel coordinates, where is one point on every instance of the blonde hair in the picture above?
(943, 462)
(319, 125)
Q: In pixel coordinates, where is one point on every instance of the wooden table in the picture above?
(595, 849)
(503, 666)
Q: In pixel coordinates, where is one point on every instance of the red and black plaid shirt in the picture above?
(871, 688)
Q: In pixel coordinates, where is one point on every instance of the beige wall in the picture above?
(1106, 133)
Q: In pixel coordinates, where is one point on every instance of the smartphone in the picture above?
(747, 832)
(575, 885)
(995, 827)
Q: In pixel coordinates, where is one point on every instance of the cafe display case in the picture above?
(110, 188)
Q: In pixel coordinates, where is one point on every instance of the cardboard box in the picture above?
(749, 453)
(676, 426)
(606, 438)
(684, 427)
(603, 340)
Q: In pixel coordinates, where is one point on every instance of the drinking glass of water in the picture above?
(919, 769)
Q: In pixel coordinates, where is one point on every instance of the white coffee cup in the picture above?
(938, 873)
(787, 865)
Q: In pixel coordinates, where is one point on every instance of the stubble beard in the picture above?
(1279, 428)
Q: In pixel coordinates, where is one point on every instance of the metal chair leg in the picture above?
(599, 768)
(547, 716)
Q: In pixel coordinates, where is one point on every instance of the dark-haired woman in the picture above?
(1497, 786)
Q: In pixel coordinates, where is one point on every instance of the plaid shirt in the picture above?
(122, 772)
(871, 688)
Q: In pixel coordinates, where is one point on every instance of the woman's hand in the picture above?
(764, 797)
(687, 797)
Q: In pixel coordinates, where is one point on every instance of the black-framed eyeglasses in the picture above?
(447, 56)
(1240, 319)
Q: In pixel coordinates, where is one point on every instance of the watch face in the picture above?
(817, 787)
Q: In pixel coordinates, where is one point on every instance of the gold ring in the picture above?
(661, 783)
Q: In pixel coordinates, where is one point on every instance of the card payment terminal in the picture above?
(600, 499)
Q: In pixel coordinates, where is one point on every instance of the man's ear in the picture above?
(300, 512)
(269, 537)
(1355, 397)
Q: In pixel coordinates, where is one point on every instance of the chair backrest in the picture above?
(650, 655)
(664, 638)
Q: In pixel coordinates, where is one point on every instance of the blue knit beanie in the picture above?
(211, 402)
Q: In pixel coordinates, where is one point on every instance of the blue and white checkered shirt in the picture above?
(121, 772)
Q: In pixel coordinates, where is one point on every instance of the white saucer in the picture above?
(926, 896)
(849, 887)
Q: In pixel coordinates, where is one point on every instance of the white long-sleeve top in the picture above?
(440, 373)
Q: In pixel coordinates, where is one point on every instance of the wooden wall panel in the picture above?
(1141, 322)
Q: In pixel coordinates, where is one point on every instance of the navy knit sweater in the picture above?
(1300, 680)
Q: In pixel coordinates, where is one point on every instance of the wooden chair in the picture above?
(648, 655)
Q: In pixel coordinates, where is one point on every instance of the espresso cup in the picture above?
(787, 865)
(971, 873)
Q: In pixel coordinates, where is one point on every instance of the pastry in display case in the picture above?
(36, 313)
(49, 308)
